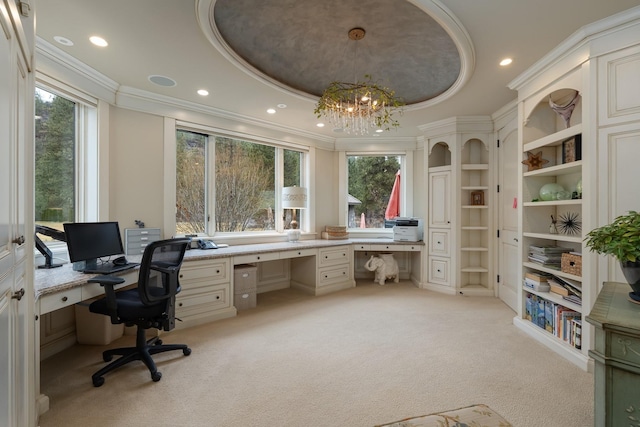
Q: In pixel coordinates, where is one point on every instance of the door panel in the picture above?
(508, 251)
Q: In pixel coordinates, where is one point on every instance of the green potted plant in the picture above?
(620, 239)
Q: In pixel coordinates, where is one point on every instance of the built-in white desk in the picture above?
(314, 266)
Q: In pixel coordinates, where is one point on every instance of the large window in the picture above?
(228, 185)
(66, 157)
(55, 158)
(371, 196)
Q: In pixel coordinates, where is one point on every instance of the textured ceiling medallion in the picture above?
(416, 47)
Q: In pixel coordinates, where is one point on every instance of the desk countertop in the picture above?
(49, 281)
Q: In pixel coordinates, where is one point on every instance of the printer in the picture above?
(408, 230)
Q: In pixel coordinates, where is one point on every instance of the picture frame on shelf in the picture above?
(477, 198)
(572, 149)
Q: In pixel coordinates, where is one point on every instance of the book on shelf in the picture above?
(537, 276)
(536, 286)
(572, 298)
(548, 250)
(556, 288)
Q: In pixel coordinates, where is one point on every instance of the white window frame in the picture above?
(406, 188)
(88, 177)
(308, 222)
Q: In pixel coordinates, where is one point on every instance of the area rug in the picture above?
(470, 416)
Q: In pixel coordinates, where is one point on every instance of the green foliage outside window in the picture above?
(371, 179)
(54, 159)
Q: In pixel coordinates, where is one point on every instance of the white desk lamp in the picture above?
(294, 198)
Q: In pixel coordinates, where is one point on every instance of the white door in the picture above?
(440, 199)
(508, 254)
(17, 327)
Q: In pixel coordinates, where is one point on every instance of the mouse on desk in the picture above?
(120, 261)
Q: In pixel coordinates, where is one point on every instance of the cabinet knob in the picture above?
(180, 305)
(181, 276)
(217, 296)
(439, 243)
(515, 238)
(299, 253)
(257, 257)
(217, 271)
(64, 299)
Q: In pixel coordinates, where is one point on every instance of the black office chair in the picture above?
(150, 305)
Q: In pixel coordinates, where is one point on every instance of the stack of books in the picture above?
(537, 281)
(557, 319)
(335, 232)
(569, 289)
(548, 256)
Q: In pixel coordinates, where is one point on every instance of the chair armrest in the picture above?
(108, 282)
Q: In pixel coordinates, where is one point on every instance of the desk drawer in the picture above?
(333, 256)
(202, 299)
(213, 271)
(58, 300)
(249, 259)
(297, 253)
(361, 247)
(394, 248)
(333, 275)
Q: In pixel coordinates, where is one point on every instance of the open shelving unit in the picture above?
(546, 133)
(475, 214)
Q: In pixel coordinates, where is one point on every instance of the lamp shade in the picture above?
(294, 197)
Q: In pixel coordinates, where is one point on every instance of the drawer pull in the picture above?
(65, 299)
(217, 296)
(181, 276)
(180, 305)
(299, 253)
(326, 277)
(217, 271)
(257, 257)
(18, 294)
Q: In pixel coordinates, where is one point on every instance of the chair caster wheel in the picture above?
(98, 381)
(156, 376)
(186, 351)
(107, 357)
(158, 342)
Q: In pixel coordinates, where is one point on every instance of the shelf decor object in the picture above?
(535, 161)
(294, 198)
(572, 149)
(569, 223)
(358, 107)
(565, 111)
(621, 239)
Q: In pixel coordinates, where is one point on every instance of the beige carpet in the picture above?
(365, 356)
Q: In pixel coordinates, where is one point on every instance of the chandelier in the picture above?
(359, 107)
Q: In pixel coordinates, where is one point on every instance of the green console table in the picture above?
(616, 354)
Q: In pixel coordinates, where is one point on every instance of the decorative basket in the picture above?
(571, 263)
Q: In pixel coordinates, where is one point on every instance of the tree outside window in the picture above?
(370, 183)
(55, 146)
(244, 176)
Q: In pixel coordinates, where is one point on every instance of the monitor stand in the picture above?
(84, 265)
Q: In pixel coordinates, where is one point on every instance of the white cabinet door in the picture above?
(17, 329)
(440, 199)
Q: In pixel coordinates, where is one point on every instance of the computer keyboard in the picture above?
(108, 268)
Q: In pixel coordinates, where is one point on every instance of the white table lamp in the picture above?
(294, 198)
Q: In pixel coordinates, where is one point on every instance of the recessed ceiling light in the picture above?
(98, 41)
(282, 105)
(505, 62)
(162, 81)
(271, 111)
(320, 125)
(203, 92)
(63, 41)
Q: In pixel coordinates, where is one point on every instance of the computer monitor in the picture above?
(90, 241)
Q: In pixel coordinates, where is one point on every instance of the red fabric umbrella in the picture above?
(393, 207)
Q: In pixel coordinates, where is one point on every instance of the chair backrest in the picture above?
(159, 270)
